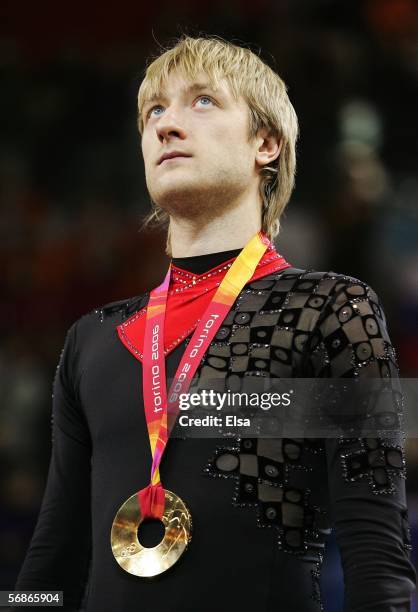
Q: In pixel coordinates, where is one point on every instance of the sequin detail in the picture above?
(267, 474)
(374, 460)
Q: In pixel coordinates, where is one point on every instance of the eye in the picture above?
(152, 109)
(205, 100)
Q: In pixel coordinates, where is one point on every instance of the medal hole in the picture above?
(150, 532)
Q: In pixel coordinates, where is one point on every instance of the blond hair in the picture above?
(266, 96)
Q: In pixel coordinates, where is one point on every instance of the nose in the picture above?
(168, 126)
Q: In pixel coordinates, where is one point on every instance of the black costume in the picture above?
(293, 323)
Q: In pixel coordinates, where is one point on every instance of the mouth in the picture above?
(170, 156)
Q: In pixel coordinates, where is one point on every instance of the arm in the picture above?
(59, 552)
(366, 476)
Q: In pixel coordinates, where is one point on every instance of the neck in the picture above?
(197, 236)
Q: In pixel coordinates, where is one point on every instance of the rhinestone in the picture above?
(371, 326)
(271, 513)
(247, 444)
(316, 302)
(271, 470)
(336, 343)
(344, 314)
(242, 317)
(364, 350)
(248, 487)
(223, 332)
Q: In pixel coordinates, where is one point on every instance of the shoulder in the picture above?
(335, 286)
(105, 317)
(119, 309)
(346, 322)
(316, 293)
(344, 294)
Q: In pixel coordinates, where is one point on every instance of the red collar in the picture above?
(187, 299)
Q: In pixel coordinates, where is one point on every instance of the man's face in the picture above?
(209, 130)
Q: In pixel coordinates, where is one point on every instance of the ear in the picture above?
(268, 147)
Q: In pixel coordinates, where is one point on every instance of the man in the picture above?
(218, 140)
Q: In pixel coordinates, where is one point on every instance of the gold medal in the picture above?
(147, 562)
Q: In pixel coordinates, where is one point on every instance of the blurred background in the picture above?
(73, 194)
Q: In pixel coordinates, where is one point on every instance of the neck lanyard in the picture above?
(161, 411)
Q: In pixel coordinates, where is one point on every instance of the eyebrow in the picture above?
(189, 89)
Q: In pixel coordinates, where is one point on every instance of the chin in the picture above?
(177, 195)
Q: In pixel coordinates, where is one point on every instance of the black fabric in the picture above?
(202, 263)
(261, 513)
